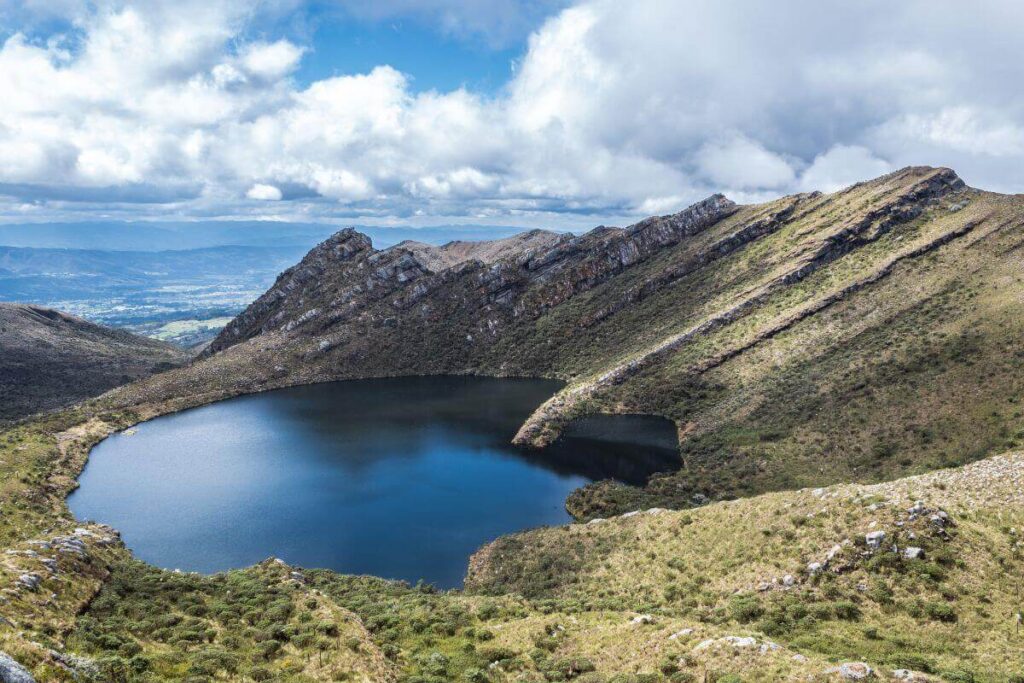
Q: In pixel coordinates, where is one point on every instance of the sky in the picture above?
(533, 113)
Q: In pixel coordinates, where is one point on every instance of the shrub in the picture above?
(844, 609)
(908, 660)
(745, 608)
(940, 611)
(959, 676)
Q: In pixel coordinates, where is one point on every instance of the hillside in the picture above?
(825, 357)
(915, 579)
(810, 340)
(51, 359)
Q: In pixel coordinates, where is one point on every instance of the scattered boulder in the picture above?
(875, 539)
(814, 568)
(12, 672)
(741, 641)
(642, 619)
(29, 581)
(78, 666)
(854, 671)
(681, 634)
(913, 553)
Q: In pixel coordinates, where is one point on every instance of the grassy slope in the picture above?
(51, 359)
(917, 370)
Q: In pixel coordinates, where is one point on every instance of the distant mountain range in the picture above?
(150, 236)
(175, 281)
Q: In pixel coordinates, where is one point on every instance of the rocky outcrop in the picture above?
(12, 672)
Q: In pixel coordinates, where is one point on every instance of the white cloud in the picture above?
(271, 60)
(842, 166)
(742, 163)
(264, 192)
(615, 109)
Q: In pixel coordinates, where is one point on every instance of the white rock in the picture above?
(681, 634)
(814, 568)
(913, 553)
(874, 539)
(788, 580)
(855, 671)
(740, 641)
(642, 619)
(12, 672)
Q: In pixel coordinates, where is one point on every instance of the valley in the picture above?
(843, 372)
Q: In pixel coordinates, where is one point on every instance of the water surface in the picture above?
(401, 478)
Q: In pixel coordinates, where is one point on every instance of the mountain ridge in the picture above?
(845, 374)
(659, 317)
(52, 359)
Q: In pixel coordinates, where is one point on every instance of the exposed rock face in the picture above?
(12, 672)
(719, 317)
(454, 253)
(50, 359)
(342, 278)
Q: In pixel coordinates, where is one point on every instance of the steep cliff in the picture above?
(812, 339)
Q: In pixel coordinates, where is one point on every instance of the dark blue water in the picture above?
(401, 478)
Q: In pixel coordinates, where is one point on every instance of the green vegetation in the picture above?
(862, 337)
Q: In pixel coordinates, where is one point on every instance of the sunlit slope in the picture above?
(858, 335)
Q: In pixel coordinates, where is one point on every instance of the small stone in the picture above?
(741, 642)
(30, 581)
(903, 674)
(913, 553)
(874, 539)
(597, 520)
(814, 568)
(788, 580)
(681, 634)
(642, 619)
(855, 671)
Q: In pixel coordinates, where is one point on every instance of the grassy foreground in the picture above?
(725, 592)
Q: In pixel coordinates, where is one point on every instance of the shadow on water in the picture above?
(401, 478)
(629, 448)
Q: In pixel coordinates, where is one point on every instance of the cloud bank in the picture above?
(614, 110)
